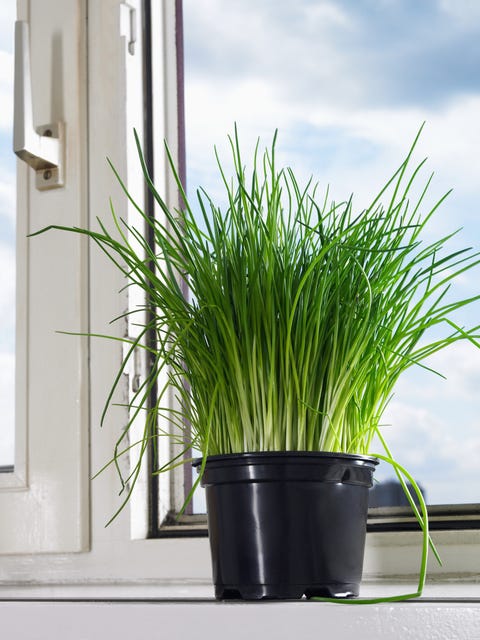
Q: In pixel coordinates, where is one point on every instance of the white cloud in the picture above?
(449, 140)
(6, 91)
(8, 197)
(7, 390)
(7, 289)
(442, 455)
(465, 12)
(7, 19)
(309, 70)
(7, 253)
(270, 78)
(433, 428)
(268, 66)
(460, 363)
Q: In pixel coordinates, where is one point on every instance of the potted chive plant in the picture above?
(302, 316)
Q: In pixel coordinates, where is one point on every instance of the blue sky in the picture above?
(7, 234)
(348, 83)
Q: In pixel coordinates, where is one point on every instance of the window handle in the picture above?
(42, 148)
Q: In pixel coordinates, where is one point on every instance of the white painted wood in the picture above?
(397, 555)
(279, 621)
(108, 555)
(46, 501)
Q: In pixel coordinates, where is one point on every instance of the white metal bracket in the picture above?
(42, 148)
(128, 26)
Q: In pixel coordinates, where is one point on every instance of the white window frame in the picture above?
(45, 496)
(53, 516)
(53, 538)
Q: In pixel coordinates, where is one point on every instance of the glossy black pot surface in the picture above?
(287, 524)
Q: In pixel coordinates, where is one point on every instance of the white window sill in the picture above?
(127, 612)
(194, 591)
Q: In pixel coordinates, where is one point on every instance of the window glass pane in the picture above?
(7, 237)
(348, 85)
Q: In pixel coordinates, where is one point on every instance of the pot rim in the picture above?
(261, 455)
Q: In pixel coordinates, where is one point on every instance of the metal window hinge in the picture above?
(128, 26)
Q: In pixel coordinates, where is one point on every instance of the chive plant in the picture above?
(303, 313)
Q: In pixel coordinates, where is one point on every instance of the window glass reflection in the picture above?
(348, 84)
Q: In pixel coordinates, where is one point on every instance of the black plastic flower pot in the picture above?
(287, 524)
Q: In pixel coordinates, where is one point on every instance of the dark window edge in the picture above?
(390, 519)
